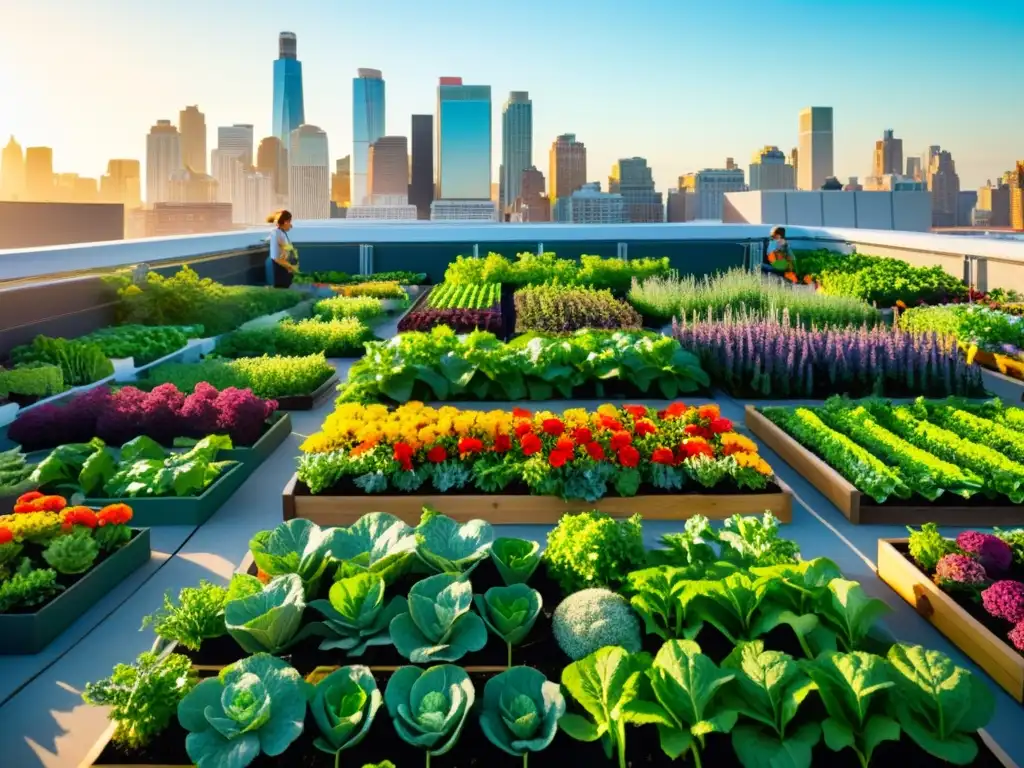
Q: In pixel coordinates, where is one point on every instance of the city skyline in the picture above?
(229, 78)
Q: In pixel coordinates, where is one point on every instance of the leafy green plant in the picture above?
(143, 343)
(660, 595)
(429, 707)
(15, 472)
(768, 689)
(356, 615)
(73, 553)
(737, 607)
(510, 612)
(344, 705)
(439, 625)
(593, 618)
(927, 546)
(268, 620)
(334, 338)
(377, 542)
(198, 616)
(606, 684)
(938, 704)
(295, 546)
(255, 706)
(180, 474)
(560, 308)
(343, 307)
(850, 613)
(267, 377)
(465, 296)
(450, 547)
(515, 559)
(28, 587)
(143, 696)
(521, 709)
(535, 269)
(592, 549)
(32, 380)
(751, 540)
(81, 362)
(854, 688)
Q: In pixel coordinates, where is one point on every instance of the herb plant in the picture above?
(560, 309)
(267, 377)
(197, 616)
(509, 612)
(81, 362)
(333, 338)
(592, 549)
(520, 712)
(429, 707)
(439, 624)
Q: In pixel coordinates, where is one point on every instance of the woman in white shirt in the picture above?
(283, 261)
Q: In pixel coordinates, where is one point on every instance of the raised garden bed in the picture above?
(861, 509)
(524, 508)
(308, 402)
(978, 642)
(182, 510)
(27, 633)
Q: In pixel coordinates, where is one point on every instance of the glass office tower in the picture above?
(463, 141)
(367, 127)
(289, 112)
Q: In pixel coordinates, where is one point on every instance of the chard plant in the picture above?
(356, 615)
(429, 707)
(521, 709)
(344, 705)
(509, 612)
(439, 625)
(515, 559)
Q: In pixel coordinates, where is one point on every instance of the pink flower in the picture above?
(993, 553)
(1005, 600)
(959, 569)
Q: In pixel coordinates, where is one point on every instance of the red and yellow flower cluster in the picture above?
(626, 437)
(39, 510)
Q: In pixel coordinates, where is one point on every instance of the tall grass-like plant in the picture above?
(664, 298)
(752, 355)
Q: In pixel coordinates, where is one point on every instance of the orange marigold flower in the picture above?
(663, 456)
(565, 444)
(697, 448)
(530, 444)
(629, 456)
(51, 503)
(362, 448)
(595, 451)
(470, 445)
(675, 410)
(502, 443)
(645, 427)
(115, 514)
(582, 435)
(437, 454)
(607, 422)
(6, 536)
(523, 428)
(553, 427)
(711, 411)
(621, 439)
(25, 498)
(79, 516)
(521, 413)
(558, 458)
(721, 425)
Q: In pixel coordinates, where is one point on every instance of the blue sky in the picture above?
(684, 83)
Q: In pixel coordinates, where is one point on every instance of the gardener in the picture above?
(283, 261)
(779, 257)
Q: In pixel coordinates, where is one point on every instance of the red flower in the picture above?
(470, 445)
(582, 435)
(553, 427)
(115, 514)
(645, 427)
(621, 439)
(403, 455)
(25, 498)
(558, 458)
(629, 456)
(595, 451)
(663, 456)
(607, 422)
(565, 444)
(6, 536)
(521, 413)
(675, 410)
(79, 516)
(709, 411)
(696, 430)
(697, 448)
(523, 428)
(530, 444)
(502, 443)
(720, 425)
(437, 454)
(636, 411)
(40, 503)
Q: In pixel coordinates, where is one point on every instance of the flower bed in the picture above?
(801, 656)
(333, 338)
(960, 463)
(669, 461)
(755, 356)
(163, 414)
(663, 298)
(56, 562)
(562, 309)
(535, 269)
(970, 588)
(442, 366)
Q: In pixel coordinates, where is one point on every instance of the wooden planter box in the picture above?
(526, 509)
(27, 633)
(852, 503)
(312, 400)
(254, 455)
(182, 510)
(991, 653)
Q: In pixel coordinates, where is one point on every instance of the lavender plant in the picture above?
(752, 355)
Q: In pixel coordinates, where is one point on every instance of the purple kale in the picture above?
(1005, 600)
(162, 413)
(199, 414)
(993, 553)
(242, 415)
(959, 570)
(1017, 637)
(71, 421)
(124, 417)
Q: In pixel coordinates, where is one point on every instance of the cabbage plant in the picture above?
(449, 547)
(343, 706)
(296, 546)
(355, 614)
(269, 620)
(520, 712)
(256, 705)
(510, 612)
(429, 707)
(515, 559)
(439, 625)
(376, 542)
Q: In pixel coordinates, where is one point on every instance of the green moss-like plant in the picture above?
(74, 553)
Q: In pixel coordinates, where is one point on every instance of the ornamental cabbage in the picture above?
(256, 705)
(515, 559)
(355, 613)
(429, 707)
(959, 570)
(510, 612)
(344, 705)
(439, 625)
(295, 546)
(268, 620)
(377, 542)
(521, 709)
(448, 547)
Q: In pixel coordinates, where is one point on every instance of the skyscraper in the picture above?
(532, 204)
(1017, 196)
(926, 161)
(888, 155)
(192, 128)
(816, 147)
(309, 174)
(39, 181)
(12, 172)
(163, 157)
(463, 140)
(567, 166)
(914, 168)
(632, 178)
(272, 161)
(237, 138)
(122, 184)
(769, 170)
(708, 188)
(944, 184)
(421, 186)
(389, 171)
(995, 198)
(289, 112)
(341, 183)
(368, 103)
(516, 144)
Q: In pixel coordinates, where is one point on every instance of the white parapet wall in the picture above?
(904, 211)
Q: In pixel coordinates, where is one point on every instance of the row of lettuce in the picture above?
(717, 638)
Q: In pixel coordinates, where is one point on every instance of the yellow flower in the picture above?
(464, 423)
(738, 442)
(318, 443)
(427, 435)
(608, 410)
